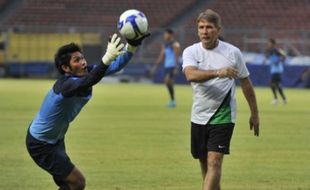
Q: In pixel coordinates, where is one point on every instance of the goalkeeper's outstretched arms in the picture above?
(123, 59)
(71, 85)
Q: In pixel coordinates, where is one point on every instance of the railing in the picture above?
(294, 42)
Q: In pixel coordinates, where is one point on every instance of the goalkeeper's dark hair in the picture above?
(63, 55)
(169, 31)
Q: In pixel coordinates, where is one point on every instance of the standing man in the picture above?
(212, 67)
(169, 54)
(275, 58)
(45, 138)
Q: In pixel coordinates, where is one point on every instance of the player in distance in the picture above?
(169, 55)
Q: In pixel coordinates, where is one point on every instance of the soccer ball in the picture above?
(132, 24)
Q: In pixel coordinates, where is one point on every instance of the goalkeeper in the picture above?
(45, 137)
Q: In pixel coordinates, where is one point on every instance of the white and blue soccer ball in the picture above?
(132, 24)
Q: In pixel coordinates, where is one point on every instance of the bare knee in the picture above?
(79, 183)
(215, 161)
(76, 180)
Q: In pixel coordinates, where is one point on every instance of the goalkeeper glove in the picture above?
(114, 49)
(137, 42)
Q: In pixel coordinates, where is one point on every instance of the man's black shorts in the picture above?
(276, 78)
(50, 157)
(205, 138)
(169, 72)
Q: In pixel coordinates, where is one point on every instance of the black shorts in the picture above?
(50, 157)
(275, 78)
(169, 72)
(205, 138)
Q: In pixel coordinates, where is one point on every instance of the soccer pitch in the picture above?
(126, 139)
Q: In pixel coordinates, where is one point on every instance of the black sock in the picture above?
(274, 92)
(171, 91)
(281, 93)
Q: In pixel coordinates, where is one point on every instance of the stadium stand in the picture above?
(276, 14)
(247, 24)
(94, 13)
(3, 3)
(39, 18)
(243, 20)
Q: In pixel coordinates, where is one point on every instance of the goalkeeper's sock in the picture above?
(171, 91)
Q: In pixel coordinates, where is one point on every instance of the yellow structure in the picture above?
(41, 47)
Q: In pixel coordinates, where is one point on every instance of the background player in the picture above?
(169, 54)
(70, 93)
(276, 59)
(210, 66)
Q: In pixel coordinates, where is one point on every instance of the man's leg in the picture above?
(274, 90)
(169, 83)
(61, 183)
(204, 169)
(213, 177)
(75, 181)
(280, 89)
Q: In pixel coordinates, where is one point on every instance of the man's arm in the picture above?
(96, 73)
(122, 59)
(177, 50)
(193, 74)
(248, 91)
(120, 62)
(74, 84)
(159, 59)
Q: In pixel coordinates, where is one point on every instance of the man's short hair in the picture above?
(210, 16)
(272, 41)
(63, 55)
(169, 31)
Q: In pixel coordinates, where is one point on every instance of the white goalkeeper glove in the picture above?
(114, 49)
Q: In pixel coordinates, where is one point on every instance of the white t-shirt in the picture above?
(209, 95)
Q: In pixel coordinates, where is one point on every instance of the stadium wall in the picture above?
(259, 75)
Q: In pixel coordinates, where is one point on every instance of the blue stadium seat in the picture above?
(33, 69)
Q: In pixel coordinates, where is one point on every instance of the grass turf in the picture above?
(126, 139)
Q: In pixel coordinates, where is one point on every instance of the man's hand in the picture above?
(114, 49)
(254, 124)
(227, 72)
(248, 91)
(137, 42)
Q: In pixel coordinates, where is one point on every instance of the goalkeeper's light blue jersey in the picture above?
(66, 99)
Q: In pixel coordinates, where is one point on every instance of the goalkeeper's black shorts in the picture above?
(50, 157)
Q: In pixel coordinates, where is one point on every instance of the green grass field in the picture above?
(126, 139)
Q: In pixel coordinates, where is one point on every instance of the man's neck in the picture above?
(211, 46)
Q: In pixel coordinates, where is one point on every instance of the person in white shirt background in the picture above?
(212, 66)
